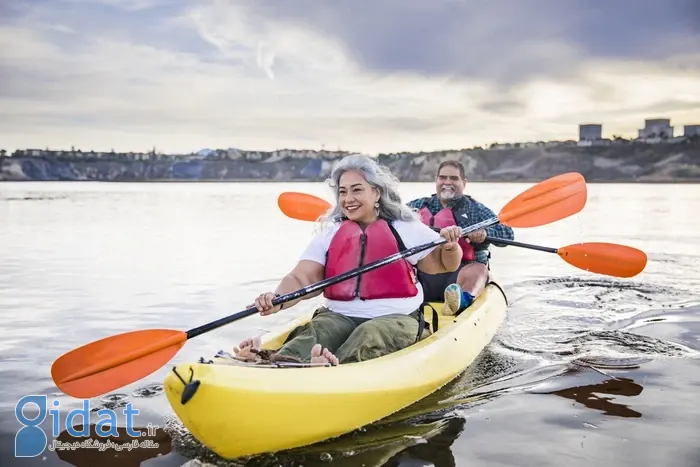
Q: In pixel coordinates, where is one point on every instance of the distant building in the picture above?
(657, 128)
(590, 132)
(691, 130)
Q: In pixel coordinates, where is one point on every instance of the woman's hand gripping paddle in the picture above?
(110, 363)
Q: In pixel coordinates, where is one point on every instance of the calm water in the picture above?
(586, 370)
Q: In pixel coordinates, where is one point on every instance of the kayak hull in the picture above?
(240, 410)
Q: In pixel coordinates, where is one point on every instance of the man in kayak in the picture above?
(378, 312)
(446, 207)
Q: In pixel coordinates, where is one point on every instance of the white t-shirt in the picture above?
(413, 234)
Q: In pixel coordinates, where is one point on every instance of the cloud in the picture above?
(386, 76)
(506, 40)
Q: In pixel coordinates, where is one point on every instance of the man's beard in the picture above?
(447, 194)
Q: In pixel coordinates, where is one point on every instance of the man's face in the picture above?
(449, 184)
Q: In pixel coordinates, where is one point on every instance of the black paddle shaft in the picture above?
(335, 279)
(504, 241)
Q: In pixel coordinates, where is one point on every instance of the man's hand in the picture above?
(477, 237)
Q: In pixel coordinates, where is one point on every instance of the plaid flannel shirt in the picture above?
(476, 212)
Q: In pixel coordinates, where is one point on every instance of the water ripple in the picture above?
(580, 317)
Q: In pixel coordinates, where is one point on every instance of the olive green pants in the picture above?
(352, 339)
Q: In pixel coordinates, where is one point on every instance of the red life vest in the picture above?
(351, 248)
(446, 218)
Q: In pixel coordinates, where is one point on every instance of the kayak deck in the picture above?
(241, 410)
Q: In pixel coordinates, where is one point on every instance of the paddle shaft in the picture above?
(504, 241)
(300, 293)
(335, 279)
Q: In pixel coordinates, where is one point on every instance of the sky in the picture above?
(366, 76)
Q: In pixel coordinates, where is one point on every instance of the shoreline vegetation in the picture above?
(675, 160)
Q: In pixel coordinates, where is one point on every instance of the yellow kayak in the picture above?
(237, 409)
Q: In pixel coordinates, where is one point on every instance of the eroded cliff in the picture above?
(630, 162)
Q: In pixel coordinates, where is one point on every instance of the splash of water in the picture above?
(569, 318)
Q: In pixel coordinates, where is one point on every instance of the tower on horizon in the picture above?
(590, 132)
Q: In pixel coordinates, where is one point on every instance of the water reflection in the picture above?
(400, 444)
(111, 451)
(588, 395)
(436, 450)
(396, 445)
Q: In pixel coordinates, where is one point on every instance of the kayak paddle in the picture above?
(610, 259)
(603, 258)
(110, 363)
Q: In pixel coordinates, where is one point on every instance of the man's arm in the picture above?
(416, 203)
(500, 231)
(478, 213)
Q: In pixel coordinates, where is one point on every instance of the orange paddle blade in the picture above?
(302, 206)
(106, 364)
(605, 258)
(549, 201)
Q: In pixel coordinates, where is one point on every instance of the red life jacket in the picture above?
(351, 248)
(446, 218)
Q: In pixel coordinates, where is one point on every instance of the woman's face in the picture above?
(357, 197)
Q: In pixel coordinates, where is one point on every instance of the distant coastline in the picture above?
(244, 180)
(617, 161)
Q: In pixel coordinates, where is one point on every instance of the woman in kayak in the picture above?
(378, 312)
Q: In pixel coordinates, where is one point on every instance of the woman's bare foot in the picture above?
(245, 349)
(323, 356)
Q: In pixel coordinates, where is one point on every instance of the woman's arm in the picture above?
(306, 272)
(309, 270)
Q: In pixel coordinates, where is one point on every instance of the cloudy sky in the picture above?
(359, 75)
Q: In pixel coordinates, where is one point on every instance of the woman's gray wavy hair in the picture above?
(379, 177)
